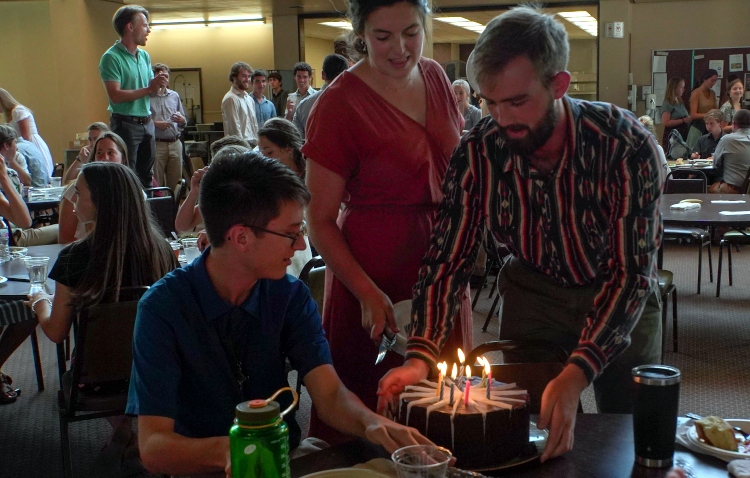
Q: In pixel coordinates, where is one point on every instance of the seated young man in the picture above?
(732, 156)
(218, 331)
(707, 143)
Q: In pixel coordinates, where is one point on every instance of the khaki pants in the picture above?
(168, 164)
(537, 308)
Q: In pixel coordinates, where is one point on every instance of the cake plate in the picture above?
(537, 440)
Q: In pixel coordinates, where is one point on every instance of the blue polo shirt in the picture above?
(181, 367)
(264, 110)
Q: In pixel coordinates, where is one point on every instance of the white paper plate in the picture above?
(3, 280)
(347, 473)
(718, 452)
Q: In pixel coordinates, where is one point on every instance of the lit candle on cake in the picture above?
(488, 370)
(441, 375)
(461, 360)
(482, 361)
(454, 374)
(468, 386)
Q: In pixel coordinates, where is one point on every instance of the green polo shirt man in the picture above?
(126, 73)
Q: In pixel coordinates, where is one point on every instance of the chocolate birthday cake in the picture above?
(487, 433)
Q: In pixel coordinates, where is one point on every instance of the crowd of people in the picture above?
(399, 178)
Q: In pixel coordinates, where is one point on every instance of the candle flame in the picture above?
(454, 374)
(486, 367)
(461, 356)
(443, 367)
(468, 372)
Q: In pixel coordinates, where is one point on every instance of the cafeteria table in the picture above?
(709, 212)
(603, 447)
(17, 287)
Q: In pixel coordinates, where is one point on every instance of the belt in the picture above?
(159, 140)
(134, 119)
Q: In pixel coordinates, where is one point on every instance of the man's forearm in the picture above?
(346, 413)
(174, 454)
(126, 96)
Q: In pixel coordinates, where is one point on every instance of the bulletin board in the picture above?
(691, 64)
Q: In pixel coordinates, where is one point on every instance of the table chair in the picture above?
(667, 289)
(313, 274)
(164, 212)
(731, 238)
(496, 255)
(179, 193)
(104, 354)
(685, 182)
(58, 171)
(531, 376)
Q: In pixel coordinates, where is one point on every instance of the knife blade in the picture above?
(386, 344)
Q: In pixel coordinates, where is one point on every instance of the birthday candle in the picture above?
(453, 382)
(461, 359)
(468, 387)
(489, 378)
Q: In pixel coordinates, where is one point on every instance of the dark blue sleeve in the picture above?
(304, 343)
(156, 369)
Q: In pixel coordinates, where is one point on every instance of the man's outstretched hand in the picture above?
(395, 381)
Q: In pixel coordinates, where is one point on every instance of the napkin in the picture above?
(727, 201)
(739, 468)
(684, 206)
(734, 213)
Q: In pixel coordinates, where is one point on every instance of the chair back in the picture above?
(104, 341)
(58, 171)
(530, 376)
(746, 183)
(163, 212)
(314, 275)
(685, 182)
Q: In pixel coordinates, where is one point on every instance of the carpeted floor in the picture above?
(714, 340)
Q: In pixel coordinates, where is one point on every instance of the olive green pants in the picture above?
(537, 308)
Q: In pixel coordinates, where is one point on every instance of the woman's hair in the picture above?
(360, 10)
(706, 75)
(463, 84)
(118, 142)
(127, 248)
(284, 134)
(649, 124)
(8, 103)
(727, 96)
(670, 96)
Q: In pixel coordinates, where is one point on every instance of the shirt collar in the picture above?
(492, 140)
(211, 304)
(238, 91)
(120, 46)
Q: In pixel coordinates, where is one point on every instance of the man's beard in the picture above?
(535, 138)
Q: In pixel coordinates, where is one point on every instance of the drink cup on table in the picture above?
(55, 182)
(191, 249)
(37, 269)
(655, 401)
(175, 248)
(421, 461)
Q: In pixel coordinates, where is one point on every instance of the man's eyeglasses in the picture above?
(302, 232)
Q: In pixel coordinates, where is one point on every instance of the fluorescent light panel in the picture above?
(462, 22)
(582, 20)
(201, 23)
(340, 24)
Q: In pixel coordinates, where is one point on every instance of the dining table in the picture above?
(603, 447)
(17, 285)
(711, 213)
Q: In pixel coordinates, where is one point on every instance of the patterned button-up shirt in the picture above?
(594, 219)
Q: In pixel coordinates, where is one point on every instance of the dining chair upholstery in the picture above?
(163, 212)
(58, 171)
(701, 237)
(179, 192)
(530, 376)
(667, 289)
(731, 238)
(103, 355)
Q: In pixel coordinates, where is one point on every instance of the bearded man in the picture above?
(572, 189)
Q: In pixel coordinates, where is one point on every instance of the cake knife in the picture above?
(386, 344)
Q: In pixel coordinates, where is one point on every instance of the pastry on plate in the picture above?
(716, 432)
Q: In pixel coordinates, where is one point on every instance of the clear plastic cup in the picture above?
(37, 269)
(175, 248)
(421, 461)
(191, 249)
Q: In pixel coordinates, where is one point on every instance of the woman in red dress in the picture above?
(379, 140)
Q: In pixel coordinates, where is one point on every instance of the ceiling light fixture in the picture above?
(582, 20)
(462, 22)
(233, 22)
(340, 24)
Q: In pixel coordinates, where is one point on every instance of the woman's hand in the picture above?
(687, 119)
(195, 180)
(33, 298)
(83, 154)
(377, 312)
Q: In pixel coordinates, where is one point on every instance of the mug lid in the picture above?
(660, 375)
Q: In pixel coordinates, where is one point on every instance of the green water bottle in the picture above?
(259, 439)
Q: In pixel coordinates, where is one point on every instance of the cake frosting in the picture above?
(482, 431)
